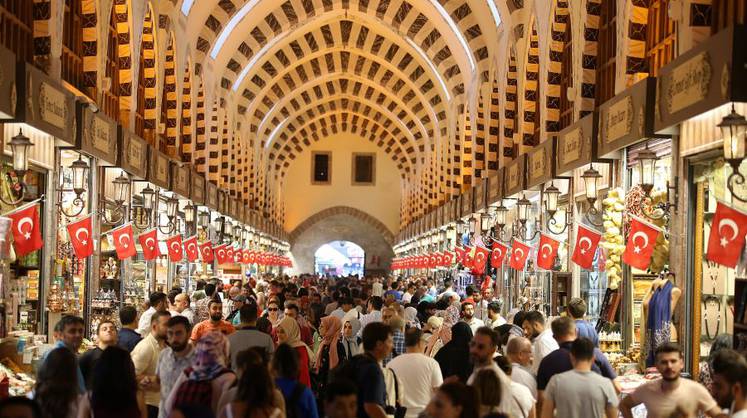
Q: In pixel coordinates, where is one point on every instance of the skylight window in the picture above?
(226, 32)
(494, 12)
(187, 6)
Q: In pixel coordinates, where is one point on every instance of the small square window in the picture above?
(364, 169)
(320, 168)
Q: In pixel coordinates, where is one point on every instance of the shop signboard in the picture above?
(159, 169)
(514, 178)
(627, 118)
(211, 195)
(198, 189)
(703, 78)
(577, 145)
(541, 163)
(233, 208)
(223, 203)
(133, 154)
(180, 175)
(96, 134)
(480, 194)
(8, 93)
(46, 104)
(495, 187)
(467, 205)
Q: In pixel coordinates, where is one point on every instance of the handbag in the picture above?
(399, 410)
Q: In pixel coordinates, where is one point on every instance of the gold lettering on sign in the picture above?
(134, 153)
(181, 178)
(162, 168)
(573, 144)
(688, 83)
(537, 164)
(99, 131)
(52, 106)
(618, 120)
(513, 176)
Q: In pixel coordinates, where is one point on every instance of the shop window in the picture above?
(321, 167)
(661, 36)
(727, 13)
(17, 28)
(566, 78)
(364, 169)
(606, 52)
(110, 100)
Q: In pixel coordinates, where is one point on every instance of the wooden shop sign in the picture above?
(46, 104)
(223, 203)
(703, 78)
(627, 118)
(233, 208)
(577, 145)
(440, 215)
(133, 154)
(96, 134)
(480, 190)
(541, 163)
(159, 170)
(515, 176)
(495, 187)
(180, 175)
(467, 205)
(8, 92)
(211, 195)
(198, 189)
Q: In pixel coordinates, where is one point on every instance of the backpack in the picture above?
(195, 392)
(291, 402)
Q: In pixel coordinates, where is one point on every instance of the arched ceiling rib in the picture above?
(341, 84)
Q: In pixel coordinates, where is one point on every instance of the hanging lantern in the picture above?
(204, 218)
(189, 213)
(80, 173)
(121, 189)
(19, 146)
(647, 166)
(591, 184)
(733, 128)
(500, 215)
(172, 204)
(523, 206)
(149, 196)
(551, 199)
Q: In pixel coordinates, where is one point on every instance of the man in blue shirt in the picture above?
(377, 344)
(69, 334)
(577, 309)
(128, 337)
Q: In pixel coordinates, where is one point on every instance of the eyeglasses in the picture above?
(272, 309)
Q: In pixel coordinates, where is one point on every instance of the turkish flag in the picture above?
(726, 239)
(548, 249)
(519, 254)
(220, 254)
(174, 245)
(481, 260)
(459, 254)
(252, 257)
(448, 259)
(149, 243)
(433, 260)
(80, 237)
(26, 231)
(206, 252)
(499, 254)
(229, 253)
(439, 259)
(587, 241)
(469, 258)
(641, 242)
(191, 249)
(124, 242)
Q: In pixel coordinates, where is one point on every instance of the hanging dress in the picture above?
(659, 321)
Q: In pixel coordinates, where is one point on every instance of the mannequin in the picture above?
(657, 316)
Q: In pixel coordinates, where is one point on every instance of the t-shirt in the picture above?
(418, 374)
(689, 396)
(574, 391)
(207, 326)
(248, 337)
(559, 361)
(377, 289)
(371, 386)
(306, 405)
(542, 345)
(128, 339)
(522, 376)
(584, 329)
(523, 400)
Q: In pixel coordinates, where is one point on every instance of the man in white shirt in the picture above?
(181, 307)
(729, 372)
(346, 304)
(449, 291)
(158, 302)
(543, 342)
(418, 374)
(494, 318)
(468, 316)
(519, 353)
(377, 289)
(375, 303)
(407, 296)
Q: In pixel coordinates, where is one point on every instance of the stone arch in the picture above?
(342, 210)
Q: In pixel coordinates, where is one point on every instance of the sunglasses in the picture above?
(272, 309)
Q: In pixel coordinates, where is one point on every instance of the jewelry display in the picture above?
(709, 303)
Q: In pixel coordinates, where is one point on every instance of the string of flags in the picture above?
(27, 238)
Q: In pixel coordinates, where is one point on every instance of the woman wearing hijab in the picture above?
(443, 333)
(289, 333)
(432, 335)
(208, 368)
(330, 353)
(349, 340)
(411, 317)
(453, 356)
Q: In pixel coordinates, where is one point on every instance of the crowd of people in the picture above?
(311, 347)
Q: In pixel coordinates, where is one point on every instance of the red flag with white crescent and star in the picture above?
(149, 243)
(459, 251)
(26, 231)
(230, 253)
(587, 241)
(480, 260)
(206, 252)
(220, 254)
(124, 241)
(252, 257)
(727, 236)
(641, 242)
(519, 254)
(191, 249)
(498, 255)
(448, 259)
(245, 256)
(548, 249)
(469, 260)
(80, 237)
(174, 245)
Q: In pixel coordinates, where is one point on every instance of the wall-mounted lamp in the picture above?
(647, 169)
(121, 197)
(19, 146)
(733, 129)
(552, 195)
(80, 169)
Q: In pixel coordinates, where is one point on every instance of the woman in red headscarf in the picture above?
(330, 353)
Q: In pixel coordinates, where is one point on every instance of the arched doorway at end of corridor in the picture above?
(339, 258)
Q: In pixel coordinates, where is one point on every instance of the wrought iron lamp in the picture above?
(733, 129)
(647, 165)
(80, 169)
(552, 194)
(591, 179)
(121, 196)
(19, 146)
